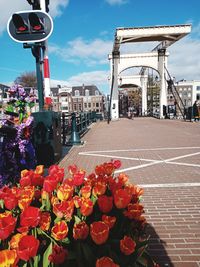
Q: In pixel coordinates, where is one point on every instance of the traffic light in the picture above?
(30, 26)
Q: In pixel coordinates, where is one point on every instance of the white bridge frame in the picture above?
(156, 59)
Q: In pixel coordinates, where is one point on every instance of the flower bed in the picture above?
(16, 149)
(73, 220)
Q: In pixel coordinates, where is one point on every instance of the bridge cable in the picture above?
(173, 90)
(111, 92)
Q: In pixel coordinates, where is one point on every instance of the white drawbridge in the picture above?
(156, 59)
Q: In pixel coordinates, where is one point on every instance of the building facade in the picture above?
(87, 98)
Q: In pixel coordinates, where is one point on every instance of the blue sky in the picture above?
(83, 37)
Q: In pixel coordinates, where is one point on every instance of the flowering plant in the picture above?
(16, 151)
(78, 220)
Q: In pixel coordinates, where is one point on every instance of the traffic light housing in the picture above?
(30, 26)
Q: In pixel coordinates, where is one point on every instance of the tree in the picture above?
(27, 79)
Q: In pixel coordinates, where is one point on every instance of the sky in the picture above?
(83, 36)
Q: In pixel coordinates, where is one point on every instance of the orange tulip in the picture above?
(99, 232)
(109, 220)
(123, 178)
(65, 192)
(77, 201)
(39, 169)
(134, 211)
(7, 257)
(86, 191)
(64, 209)
(122, 198)
(60, 230)
(99, 188)
(86, 206)
(15, 240)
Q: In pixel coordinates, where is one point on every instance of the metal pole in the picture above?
(47, 91)
(36, 51)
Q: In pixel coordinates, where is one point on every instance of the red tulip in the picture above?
(50, 184)
(7, 225)
(127, 245)
(105, 262)
(27, 247)
(80, 231)
(78, 178)
(105, 203)
(10, 201)
(45, 221)
(117, 164)
(30, 217)
(99, 232)
(59, 255)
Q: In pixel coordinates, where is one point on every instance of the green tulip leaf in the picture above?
(46, 255)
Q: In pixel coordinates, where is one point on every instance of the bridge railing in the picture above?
(77, 122)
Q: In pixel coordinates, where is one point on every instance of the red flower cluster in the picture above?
(48, 220)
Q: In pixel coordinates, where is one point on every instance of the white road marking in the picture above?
(152, 162)
(142, 149)
(169, 185)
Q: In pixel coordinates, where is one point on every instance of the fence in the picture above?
(74, 125)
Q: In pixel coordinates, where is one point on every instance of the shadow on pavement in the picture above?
(157, 248)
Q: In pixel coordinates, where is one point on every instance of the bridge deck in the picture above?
(163, 156)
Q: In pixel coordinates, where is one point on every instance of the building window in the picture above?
(89, 105)
(96, 92)
(76, 92)
(97, 105)
(198, 97)
(80, 107)
(75, 107)
(87, 92)
(85, 104)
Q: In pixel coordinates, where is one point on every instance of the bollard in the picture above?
(75, 138)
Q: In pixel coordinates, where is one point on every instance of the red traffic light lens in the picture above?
(19, 23)
(35, 22)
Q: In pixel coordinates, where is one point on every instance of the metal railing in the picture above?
(75, 125)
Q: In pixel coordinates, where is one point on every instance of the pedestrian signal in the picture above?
(30, 26)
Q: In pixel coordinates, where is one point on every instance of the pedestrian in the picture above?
(195, 111)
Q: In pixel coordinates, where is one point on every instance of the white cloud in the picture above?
(116, 2)
(9, 7)
(79, 50)
(56, 7)
(184, 59)
(98, 78)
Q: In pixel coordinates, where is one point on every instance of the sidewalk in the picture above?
(163, 157)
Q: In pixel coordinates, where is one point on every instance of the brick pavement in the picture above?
(163, 156)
